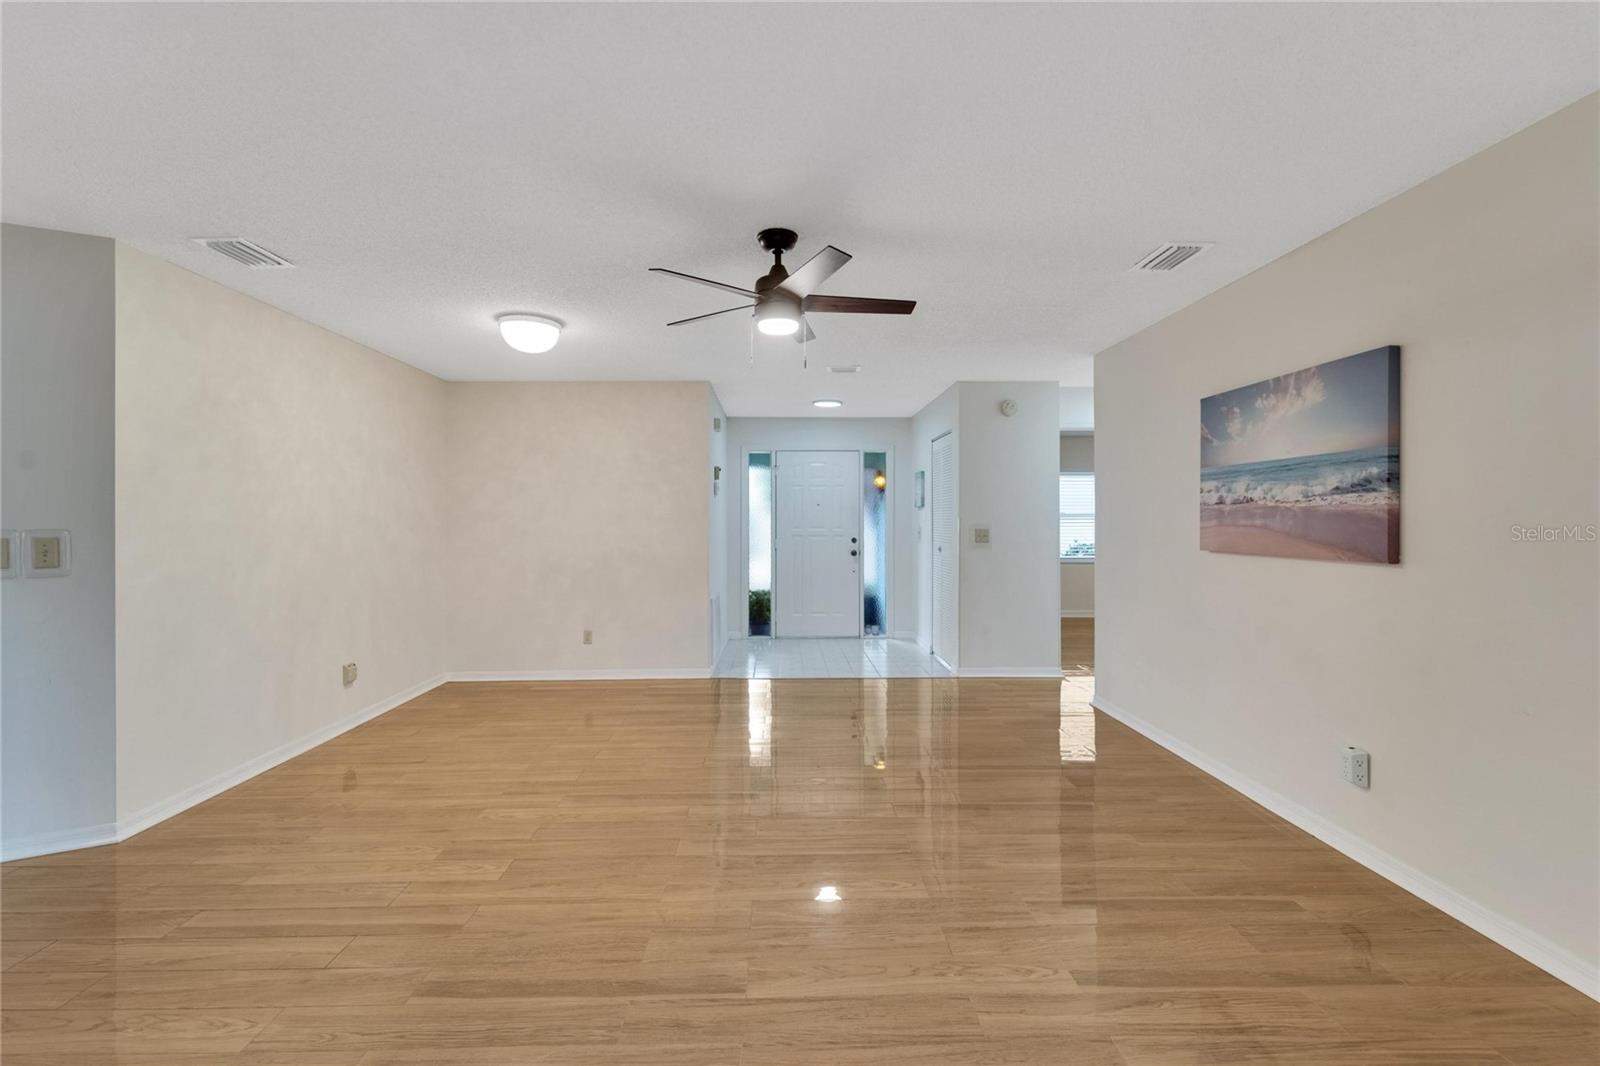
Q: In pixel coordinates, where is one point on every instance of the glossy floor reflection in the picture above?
(775, 657)
(583, 873)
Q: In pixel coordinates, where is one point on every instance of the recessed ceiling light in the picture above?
(827, 403)
(533, 334)
(828, 894)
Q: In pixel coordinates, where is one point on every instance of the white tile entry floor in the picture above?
(826, 657)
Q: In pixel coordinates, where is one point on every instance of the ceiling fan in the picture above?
(782, 299)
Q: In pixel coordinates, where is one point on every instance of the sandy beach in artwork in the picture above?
(1359, 533)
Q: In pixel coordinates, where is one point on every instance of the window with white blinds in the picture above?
(1077, 516)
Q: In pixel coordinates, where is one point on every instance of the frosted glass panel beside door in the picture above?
(818, 549)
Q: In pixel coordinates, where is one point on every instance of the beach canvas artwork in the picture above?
(1306, 465)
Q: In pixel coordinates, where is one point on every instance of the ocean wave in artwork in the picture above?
(1366, 477)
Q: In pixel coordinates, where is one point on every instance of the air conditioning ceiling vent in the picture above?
(1172, 255)
(245, 252)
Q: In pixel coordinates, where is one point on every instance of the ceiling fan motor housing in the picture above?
(776, 242)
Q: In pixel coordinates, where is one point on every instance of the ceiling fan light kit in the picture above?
(778, 318)
(782, 300)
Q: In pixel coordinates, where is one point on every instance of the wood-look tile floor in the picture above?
(626, 873)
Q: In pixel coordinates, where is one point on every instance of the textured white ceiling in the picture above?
(428, 166)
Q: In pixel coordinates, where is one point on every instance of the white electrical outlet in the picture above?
(349, 674)
(1357, 767)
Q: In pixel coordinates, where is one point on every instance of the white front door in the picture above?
(817, 589)
(942, 492)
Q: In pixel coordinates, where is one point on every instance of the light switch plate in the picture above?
(980, 536)
(9, 550)
(47, 553)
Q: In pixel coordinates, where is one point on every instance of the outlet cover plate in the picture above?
(1357, 767)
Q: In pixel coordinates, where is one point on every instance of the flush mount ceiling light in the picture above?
(533, 334)
(827, 403)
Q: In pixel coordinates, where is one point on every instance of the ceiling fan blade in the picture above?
(857, 305)
(804, 333)
(714, 314)
(817, 269)
(705, 281)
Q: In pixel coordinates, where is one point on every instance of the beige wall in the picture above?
(573, 506)
(288, 501)
(277, 516)
(1469, 669)
(1077, 579)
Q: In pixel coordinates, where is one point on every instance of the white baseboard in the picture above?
(1078, 614)
(665, 673)
(1513, 936)
(161, 810)
(63, 840)
(1053, 672)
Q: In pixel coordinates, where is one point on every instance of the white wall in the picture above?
(725, 503)
(1077, 409)
(58, 723)
(1077, 578)
(1008, 599)
(277, 515)
(573, 506)
(941, 416)
(891, 435)
(1468, 670)
(1010, 595)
